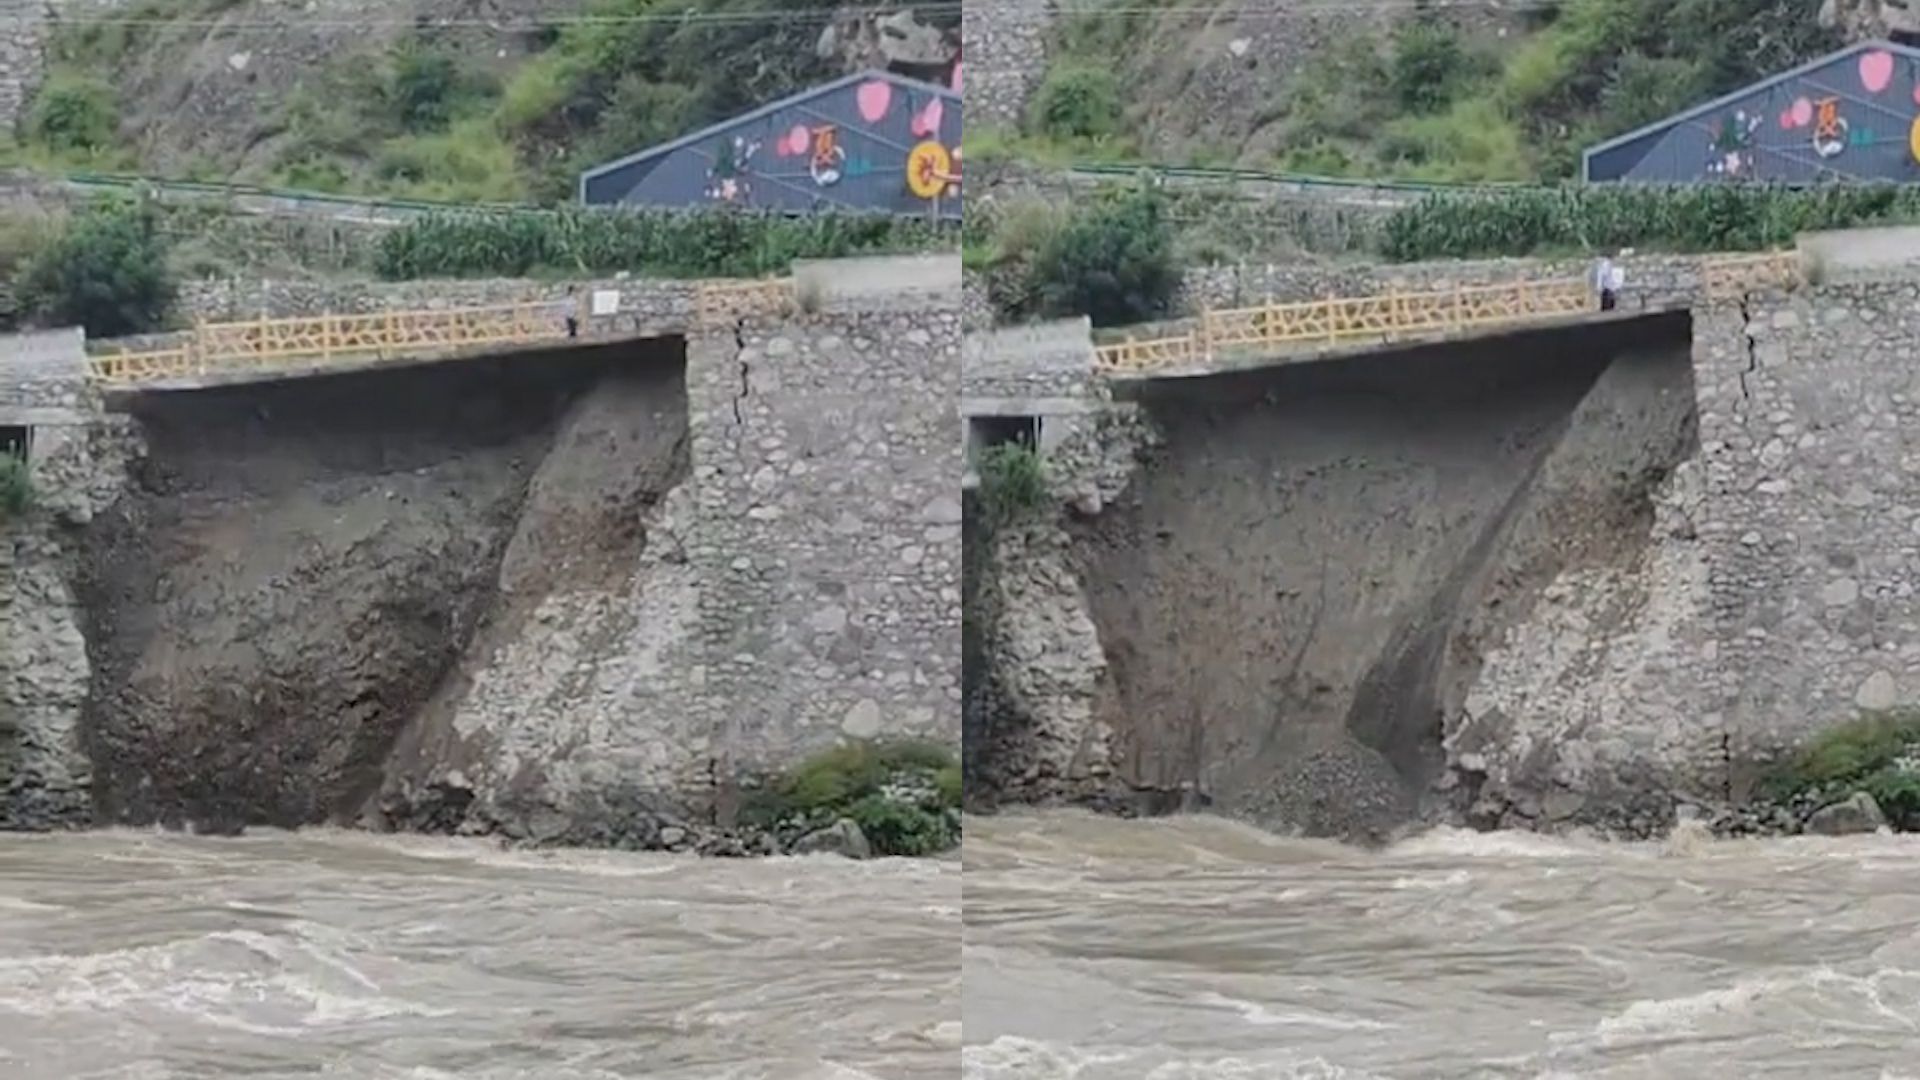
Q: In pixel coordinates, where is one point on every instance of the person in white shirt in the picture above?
(1603, 282)
(1616, 281)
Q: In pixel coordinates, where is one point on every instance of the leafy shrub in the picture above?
(466, 162)
(1468, 142)
(1430, 66)
(900, 792)
(16, 486)
(1873, 753)
(74, 113)
(1076, 101)
(1013, 482)
(426, 87)
(901, 828)
(1112, 263)
(107, 271)
(1707, 217)
(640, 113)
(719, 243)
(24, 233)
(1012, 241)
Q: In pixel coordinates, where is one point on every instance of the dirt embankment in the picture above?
(1298, 588)
(298, 567)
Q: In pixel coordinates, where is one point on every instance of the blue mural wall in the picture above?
(866, 143)
(1852, 116)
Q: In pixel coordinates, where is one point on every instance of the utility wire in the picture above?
(1138, 8)
(521, 22)
(928, 7)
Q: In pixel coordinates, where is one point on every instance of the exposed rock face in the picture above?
(843, 837)
(1864, 20)
(897, 41)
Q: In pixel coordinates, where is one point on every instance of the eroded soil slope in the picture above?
(298, 566)
(1277, 591)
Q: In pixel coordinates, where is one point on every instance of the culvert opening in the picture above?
(1301, 582)
(16, 441)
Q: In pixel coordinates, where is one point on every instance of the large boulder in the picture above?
(1858, 814)
(843, 837)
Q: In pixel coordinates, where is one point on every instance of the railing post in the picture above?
(327, 326)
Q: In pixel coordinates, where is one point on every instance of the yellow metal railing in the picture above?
(319, 340)
(1724, 277)
(1398, 316)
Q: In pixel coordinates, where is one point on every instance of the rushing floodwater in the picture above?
(328, 954)
(1193, 948)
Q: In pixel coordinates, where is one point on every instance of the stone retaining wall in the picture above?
(1005, 44)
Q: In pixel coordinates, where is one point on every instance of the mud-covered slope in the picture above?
(1277, 591)
(299, 565)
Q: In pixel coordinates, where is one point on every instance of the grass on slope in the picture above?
(428, 118)
(1431, 103)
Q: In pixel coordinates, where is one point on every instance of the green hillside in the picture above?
(1416, 93)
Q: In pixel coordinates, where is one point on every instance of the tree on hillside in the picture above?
(1113, 264)
(106, 272)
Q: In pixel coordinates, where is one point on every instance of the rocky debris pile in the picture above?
(1858, 812)
(635, 823)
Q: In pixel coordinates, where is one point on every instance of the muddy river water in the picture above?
(332, 954)
(1194, 948)
(1094, 949)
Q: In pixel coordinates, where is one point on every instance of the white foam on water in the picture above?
(1821, 994)
(1452, 879)
(1232, 1068)
(241, 979)
(1658, 1017)
(833, 1070)
(1447, 842)
(1256, 1013)
(1012, 1058)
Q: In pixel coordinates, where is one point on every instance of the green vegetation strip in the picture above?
(1709, 217)
(16, 486)
(1878, 753)
(724, 244)
(1013, 483)
(904, 795)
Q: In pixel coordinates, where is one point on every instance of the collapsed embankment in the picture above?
(1298, 591)
(596, 596)
(298, 572)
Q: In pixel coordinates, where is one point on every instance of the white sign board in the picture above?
(606, 301)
